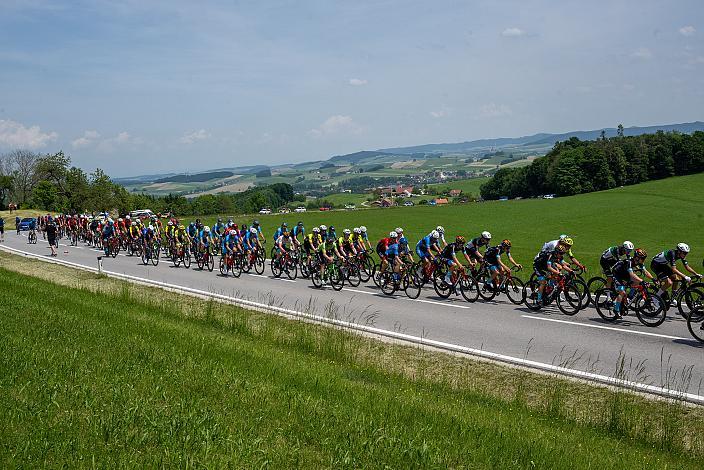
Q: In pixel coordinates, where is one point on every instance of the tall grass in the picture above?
(143, 377)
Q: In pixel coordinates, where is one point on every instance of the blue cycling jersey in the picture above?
(392, 250)
(299, 230)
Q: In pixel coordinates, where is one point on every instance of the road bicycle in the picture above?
(181, 255)
(649, 307)
(460, 282)
(204, 259)
(253, 260)
(32, 237)
(564, 291)
(284, 263)
(150, 253)
(331, 274)
(512, 286)
(231, 263)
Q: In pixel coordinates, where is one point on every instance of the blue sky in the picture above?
(139, 87)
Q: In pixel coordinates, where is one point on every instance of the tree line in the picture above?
(49, 182)
(575, 166)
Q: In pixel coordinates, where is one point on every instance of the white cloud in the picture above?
(195, 136)
(336, 125)
(492, 110)
(357, 82)
(13, 134)
(512, 32)
(437, 114)
(89, 138)
(687, 30)
(123, 138)
(642, 53)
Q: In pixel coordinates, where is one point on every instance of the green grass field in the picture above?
(112, 375)
(468, 186)
(654, 215)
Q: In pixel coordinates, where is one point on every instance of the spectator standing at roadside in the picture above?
(2, 229)
(50, 230)
(17, 223)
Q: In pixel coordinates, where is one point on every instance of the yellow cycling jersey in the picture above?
(314, 241)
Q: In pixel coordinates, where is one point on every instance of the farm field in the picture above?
(22, 213)
(654, 215)
(118, 375)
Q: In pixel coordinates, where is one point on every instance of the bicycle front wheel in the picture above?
(603, 299)
(650, 310)
(695, 324)
(515, 291)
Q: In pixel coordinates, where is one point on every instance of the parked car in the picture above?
(137, 214)
(284, 210)
(503, 198)
(300, 209)
(549, 196)
(324, 208)
(24, 223)
(350, 206)
(265, 211)
(408, 203)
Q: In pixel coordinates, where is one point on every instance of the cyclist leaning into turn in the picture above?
(624, 275)
(497, 268)
(664, 265)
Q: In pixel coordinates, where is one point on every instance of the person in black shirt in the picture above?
(625, 276)
(51, 236)
(2, 229)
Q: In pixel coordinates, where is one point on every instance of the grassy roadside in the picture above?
(130, 375)
(21, 213)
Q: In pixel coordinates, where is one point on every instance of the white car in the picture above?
(350, 207)
(300, 209)
(408, 203)
(265, 211)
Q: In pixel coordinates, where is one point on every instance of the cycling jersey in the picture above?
(544, 259)
(298, 230)
(608, 259)
(493, 254)
(472, 246)
(551, 245)
(108, 232)
(382, 245)
(622, 270)
(251, 240)
(278, 233)
(392, 250)
(663, 263)
(284, 241)
(423, 246)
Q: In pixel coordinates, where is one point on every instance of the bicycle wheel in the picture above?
(259, 265)
(155, 258)
(363, 274)
(376, 273)
(569, 300)
(650, 310)
(387, 283)
(515, 291)
(337, 281)
(692, 300)
(411, 284)
(353, 275)
(175, 259)
(469, 288)
(442, 288)
(275, 267)
(605, 305)
(187, 259)
(305, 268)
(145, 256)
(223, 267)
(486, 286)
(593, 285)
(532, 291)
(200, 260)
(580, 287)
(315, 277)
(695, 324)
(211, 262)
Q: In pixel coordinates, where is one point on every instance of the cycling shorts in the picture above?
(422, 253)
(494, 267)
(607, 265)
(662, 271)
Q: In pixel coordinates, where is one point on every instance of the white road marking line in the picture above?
(444, 304)
(272, 278)
(580, 374)
(601, 327)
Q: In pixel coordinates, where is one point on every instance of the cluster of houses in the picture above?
(388, 196)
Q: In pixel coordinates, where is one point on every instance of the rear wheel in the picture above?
(292, 269)
(187, 259)
(412, 285)
(695, 324)
(469, 288)
(259, 265)
(692, 301)
(532, 291)
(603, 299)
(486, 286)
(387, 283)
(337, 281)
(353, 275)
(316, 279)
(275, 267)
(569, 300)
(376, 273)
(223, 267)
(593, 285)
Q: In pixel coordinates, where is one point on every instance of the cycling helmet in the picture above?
(206, 229)
(435, 234)
(393, 234)
(126, 217)
(119, 219)
(628, 246)
(563, 237)
(640, 253)
(134, 224)
(363, 229)
(151, 228)
(323, 228)
(110, 221)
(440, 229)
(286, 234)
(346, 231)
(506, 243)
(357, 230)
(460, 240)
(253, 230)
(181, 227)
(255, 223)
(300, 223)
(683, 247)
(316, 230)
(399, 230)
(568, 241)
(169, 223)
(219, 220)
(332, 228)
(486, 235)
(284, 224)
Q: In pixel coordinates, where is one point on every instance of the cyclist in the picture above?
(284, 242)
(382, 246)
(624, 275)
(324, 232)
(345, 245)
(365, 238)
(326, 251)
(392, 255)
(449, 257)
(549, 264)
(497, 268)
(108, 233)
(133, 231)
(147, 237)
(426, 246)
(230, 243)
(611, 256)
(298, 230)
(472, 248)
(404, 250)
(17, 223)
(279, 231)
(441, 230)
(219, 227)
(251, 240)
(566, 242)
(260, 234)
(664, 265)
(331, 233)
(311, 241)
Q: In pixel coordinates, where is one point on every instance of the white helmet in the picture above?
(151, 228)
(110, 220)
(134, 223)
(399, 230)
(486, 235)
(563, 237)
(316, 230)
(169, 223)
(357, 230)
(206, 228)
(128, 217)
(363, 229)
(253, 230)
(119, 219)
(393, 234)
(323, 227)
(435, 234)
(440, 229)
(346, 231)
(683, 247)
(628, 246)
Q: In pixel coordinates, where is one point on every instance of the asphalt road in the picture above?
(663, 355)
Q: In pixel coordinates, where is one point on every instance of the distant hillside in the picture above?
(541, 139)
(358, 156)
(198, 178)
